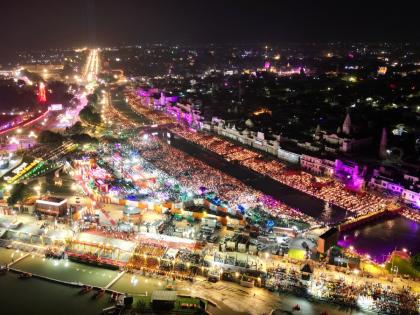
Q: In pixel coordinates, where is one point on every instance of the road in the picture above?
(91, 68)
(231, 298)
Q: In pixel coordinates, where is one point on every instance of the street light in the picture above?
(13, 140)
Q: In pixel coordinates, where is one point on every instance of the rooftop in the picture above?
(163, 295)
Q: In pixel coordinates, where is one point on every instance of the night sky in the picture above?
(44, 23)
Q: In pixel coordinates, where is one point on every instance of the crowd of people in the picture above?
(410, 214)
(147, 255)
(155, 116)
(370, 296)
(110, 114)
(329, 190)
(152, 257)
(190, 172)
(229, 151)
(333, 192)
(188, 256)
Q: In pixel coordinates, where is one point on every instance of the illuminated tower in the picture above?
(347, 124)
(42, 96)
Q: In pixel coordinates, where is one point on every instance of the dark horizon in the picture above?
(27, 25)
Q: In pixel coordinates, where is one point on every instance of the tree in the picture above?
(84, 138)
(92, 99)
(77, 128)
(415, 261)
(109, 139)
(48, 136)
(14, 97)
(58, 93)
(89, 116)
(17, 194)
(141, 305)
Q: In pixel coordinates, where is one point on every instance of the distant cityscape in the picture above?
(212, 179)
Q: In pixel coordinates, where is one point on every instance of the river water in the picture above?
(288, 195)
(36, 296)
(380, 238)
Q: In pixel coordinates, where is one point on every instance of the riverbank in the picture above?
(70, 276)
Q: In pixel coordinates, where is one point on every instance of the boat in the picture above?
(114, 297)
(85, 289)
(98, 294)
(296, 307)
(25, 275)
(54, 253)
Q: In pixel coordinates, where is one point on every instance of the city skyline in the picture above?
(209, 157)
(52, 24)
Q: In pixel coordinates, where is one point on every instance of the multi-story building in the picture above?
(255, 139)
(53, 206)
(406, 187)
(346, 139)
(317, 165)
(186, 113)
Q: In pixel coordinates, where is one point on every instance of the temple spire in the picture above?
(347, 124)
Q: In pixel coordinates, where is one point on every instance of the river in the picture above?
(36, 296)
(381, 237)
(377, 238)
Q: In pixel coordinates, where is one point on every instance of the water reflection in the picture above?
(326, 215)
(380, 238)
